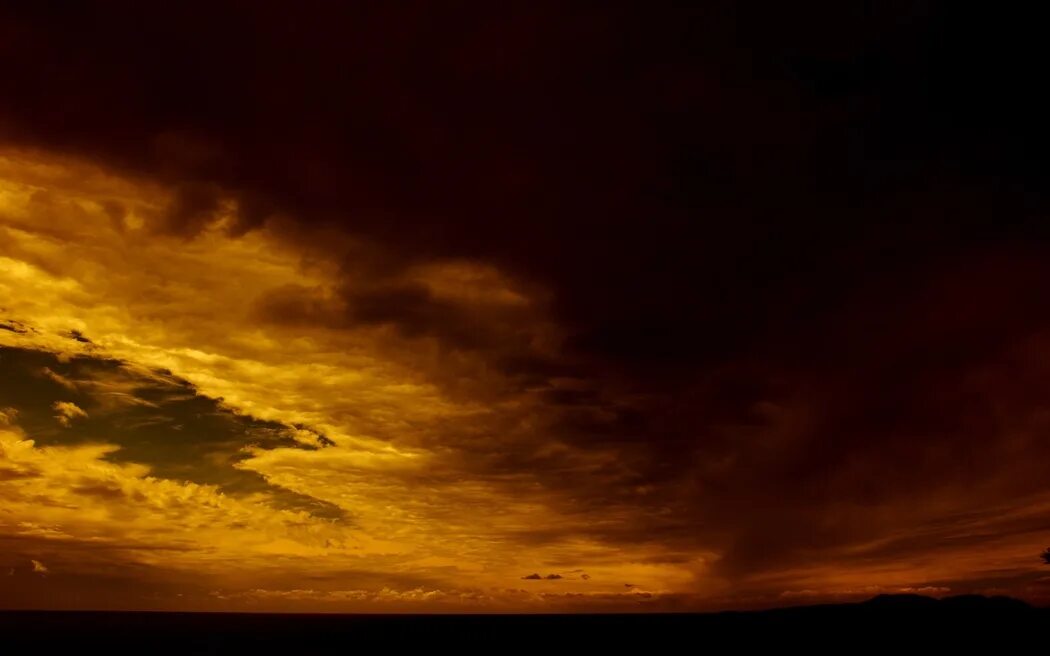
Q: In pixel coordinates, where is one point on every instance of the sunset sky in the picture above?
(520, 307)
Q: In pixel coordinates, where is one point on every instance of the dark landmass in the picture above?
(898, 622)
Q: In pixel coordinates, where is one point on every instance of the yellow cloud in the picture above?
(86, 273)
(67, 412)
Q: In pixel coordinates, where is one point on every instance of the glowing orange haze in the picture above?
(338, 465)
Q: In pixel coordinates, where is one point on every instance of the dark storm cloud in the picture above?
(784, 241)
(409, 307)
(195, 206)
(662, 180)
(536, 577)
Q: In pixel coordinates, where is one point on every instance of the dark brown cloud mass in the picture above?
(753, 284)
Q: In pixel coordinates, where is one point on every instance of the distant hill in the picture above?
(958, 603)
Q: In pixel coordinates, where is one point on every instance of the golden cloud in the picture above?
(88, 276)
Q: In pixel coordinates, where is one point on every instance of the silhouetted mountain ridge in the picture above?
(968, 602)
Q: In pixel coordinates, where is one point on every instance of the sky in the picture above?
(521, 307)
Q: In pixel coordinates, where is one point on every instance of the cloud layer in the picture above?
(393, 308)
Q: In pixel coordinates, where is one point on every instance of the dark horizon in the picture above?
(976, 622)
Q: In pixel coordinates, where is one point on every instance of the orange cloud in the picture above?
(259, 411)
